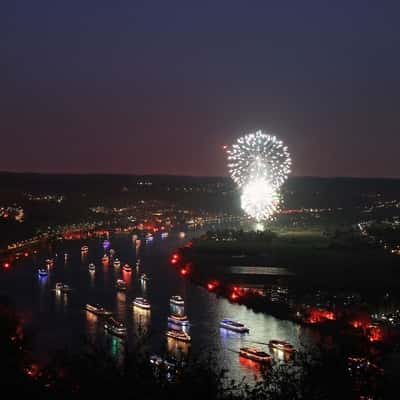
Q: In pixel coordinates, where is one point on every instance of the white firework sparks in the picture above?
(259, 164)
(259, 199)
(259, 153)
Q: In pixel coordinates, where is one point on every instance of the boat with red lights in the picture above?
(142, 303)
(115, 327)
(105, 259)
(233, 326)
(84, 249)
(255, 354)
(97, 309)
(127, 268)
(281, 345)
(178, 335)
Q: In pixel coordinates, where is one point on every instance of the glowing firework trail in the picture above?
(259, 164)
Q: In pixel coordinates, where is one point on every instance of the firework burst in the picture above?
(259, 164)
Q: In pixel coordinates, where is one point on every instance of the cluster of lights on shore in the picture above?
(259, 164)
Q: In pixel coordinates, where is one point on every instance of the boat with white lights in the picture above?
(255, 354)
(177, 301)
(282, 345)
(62, 287)
(144, 277)
(115, 327)
(178, 320)
(121, 284)
(160, 362)
(233, 326)
(42, 272)
(97, 309)
(92, 267)
(178, 335)
(49, 262)
(84, 248)
(142, 303)
(117, 263)
(127, 268)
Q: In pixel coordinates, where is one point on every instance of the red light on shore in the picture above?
(174, 258)
(6, 265)
(234, 296)
(26, 254)
(212, 285)
(184, 271)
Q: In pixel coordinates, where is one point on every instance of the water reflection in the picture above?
(127, 277)
(177, 349)
(141, 321)
(92, 276)
(116, 347)
(121, 305)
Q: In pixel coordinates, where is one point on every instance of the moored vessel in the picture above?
(233, 326)
(142, 303)
(115, 327)
(282, 345)
(97, 309)
(177, 301)
(178, 335)
(255, 354)
(121, 284)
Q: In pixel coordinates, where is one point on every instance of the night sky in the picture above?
(159, 86)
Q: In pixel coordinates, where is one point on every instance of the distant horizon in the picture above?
(4, 172)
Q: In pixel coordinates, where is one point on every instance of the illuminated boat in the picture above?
(160, 362)
(42, 272)
(120, 284)
(255, 354)
(97, 309)
(92, 267)
(115, 327)
(177, 301)
(49, 262)
(177, 320)
(112, 252)
(117, 263)
(62, 287)
(84, 248)
(127, 268)
(105, 259)
(141, 302)
(233, 326)
(178, 335)
(144, 277)
(281, 345)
